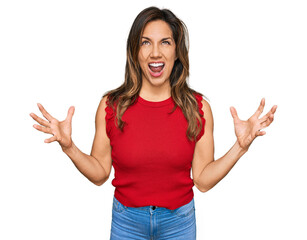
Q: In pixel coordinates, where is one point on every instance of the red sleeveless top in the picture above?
(152, 157)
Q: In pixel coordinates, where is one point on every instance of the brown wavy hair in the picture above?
(183, 96)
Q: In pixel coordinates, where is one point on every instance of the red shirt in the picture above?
(152, 157)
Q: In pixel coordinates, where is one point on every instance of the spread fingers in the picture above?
(44, 112)
(40, 120)
(42, 129)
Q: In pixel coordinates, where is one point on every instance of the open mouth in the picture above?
(156, 69)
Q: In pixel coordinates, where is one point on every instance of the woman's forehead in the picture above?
(157, 29)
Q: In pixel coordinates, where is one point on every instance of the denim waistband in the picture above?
(151, 208)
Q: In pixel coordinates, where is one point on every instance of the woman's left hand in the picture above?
(247, 131)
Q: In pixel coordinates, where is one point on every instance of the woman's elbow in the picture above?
(99, 182)
(200, 188)
(203, 190)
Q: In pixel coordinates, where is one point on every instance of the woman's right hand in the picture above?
(61, 130)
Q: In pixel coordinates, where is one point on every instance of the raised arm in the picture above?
(96, 167)
(206, 171)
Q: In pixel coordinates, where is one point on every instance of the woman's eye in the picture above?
(145, 42)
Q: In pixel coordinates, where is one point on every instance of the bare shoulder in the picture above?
(207, 112)
(101, 149)
(103, 102)
(101, 113)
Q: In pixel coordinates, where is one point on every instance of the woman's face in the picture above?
(157, 52)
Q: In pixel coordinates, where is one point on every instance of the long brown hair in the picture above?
(183, 96)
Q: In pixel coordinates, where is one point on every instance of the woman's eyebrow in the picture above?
(163, 39)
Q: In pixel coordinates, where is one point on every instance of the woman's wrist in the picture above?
(240, 149)
(68, 149)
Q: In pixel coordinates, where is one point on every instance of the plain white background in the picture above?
(68, 53)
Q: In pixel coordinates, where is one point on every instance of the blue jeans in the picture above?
(153, 223)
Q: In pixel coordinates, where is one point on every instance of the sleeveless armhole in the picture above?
(200, 106)
(109, 118)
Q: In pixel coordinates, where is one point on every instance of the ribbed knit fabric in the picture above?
(152, 157)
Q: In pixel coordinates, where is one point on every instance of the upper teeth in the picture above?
(156, 64)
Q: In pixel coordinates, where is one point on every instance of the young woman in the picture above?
(153, 130)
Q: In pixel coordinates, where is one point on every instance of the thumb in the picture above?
(70, 113)
(234, 113)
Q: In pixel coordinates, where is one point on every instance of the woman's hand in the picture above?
(247, 131)
(61, 131)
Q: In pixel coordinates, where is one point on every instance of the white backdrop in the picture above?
(64, 53)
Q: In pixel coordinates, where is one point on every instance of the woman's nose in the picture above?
(155, 51)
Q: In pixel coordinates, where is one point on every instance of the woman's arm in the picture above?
(207, 172)
(218, 169)
(88, 165)
(96, 167)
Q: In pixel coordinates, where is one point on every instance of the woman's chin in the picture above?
(159, 82)
(155, 81)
